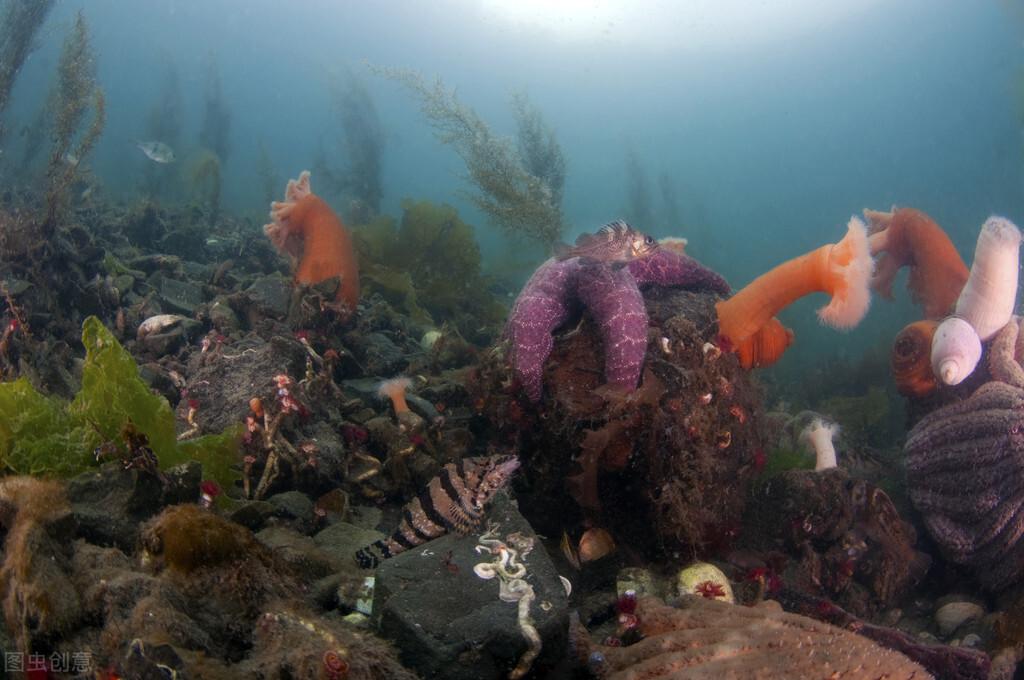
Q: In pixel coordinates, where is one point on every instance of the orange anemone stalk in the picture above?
(766, 346)
(306, 228)
(905, 237)
(842, 270)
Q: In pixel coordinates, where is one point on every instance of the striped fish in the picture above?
(615, 244)
(452, 501)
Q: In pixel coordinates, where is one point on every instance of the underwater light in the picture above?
(665, 24)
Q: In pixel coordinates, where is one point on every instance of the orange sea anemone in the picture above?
(394, 390)
(908, 237)
(306, 228)
(842, 270)
(911, 359)
(766, 346)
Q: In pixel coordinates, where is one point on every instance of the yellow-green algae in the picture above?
(40, 435)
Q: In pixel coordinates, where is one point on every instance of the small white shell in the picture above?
(956, 350)
(952, 615)
(158, 324)
(430, 339)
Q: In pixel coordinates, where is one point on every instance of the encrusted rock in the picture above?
(430, 602)
(269, 296)
(707, 638)
(302, 552)
(109, 503)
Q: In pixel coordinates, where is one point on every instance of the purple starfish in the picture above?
(612, 296)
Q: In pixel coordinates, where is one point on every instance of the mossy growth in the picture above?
(188, 537)
(782, 460)
(40, 435)
(430, 261)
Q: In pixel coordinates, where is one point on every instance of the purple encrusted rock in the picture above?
(965, 472)
(668, 268)
(614, 300)
(612, 295)
(542, 306)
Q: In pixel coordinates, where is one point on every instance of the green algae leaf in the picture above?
(113, 394)
(41, 435)
(218, 454)
(38, 435)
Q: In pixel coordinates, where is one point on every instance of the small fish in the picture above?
(453, 501)
(615, 243)
(157, 151)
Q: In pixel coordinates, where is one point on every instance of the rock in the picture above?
(41, 602)
(365, 517)
(637, 579)
(253, 514)
(270, 296)
(952, 615)
(223, 386)
(124, 283)
(430, 605)
(341, 540)
(293, 505)
(180, 296)
(109, 503)
(223, 317)
(846, 536)
(300, 551)
(380, 355)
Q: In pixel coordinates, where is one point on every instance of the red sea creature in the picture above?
(335, 666)
(709, 589)
(626, 604)
(760, 459)
(208, 492)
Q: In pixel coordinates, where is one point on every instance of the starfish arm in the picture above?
(667, 268)
(542, 306)
(613, 299)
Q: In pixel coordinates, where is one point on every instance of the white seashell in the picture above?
(956, 350)
(430, 339)
(971, 640)
(158, 324)
(988, 298)
(952, 615)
